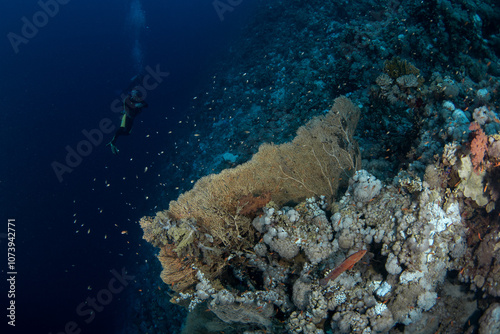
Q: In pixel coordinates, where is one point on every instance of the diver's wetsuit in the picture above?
(131, 109)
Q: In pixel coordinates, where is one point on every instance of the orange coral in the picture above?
(478, 147)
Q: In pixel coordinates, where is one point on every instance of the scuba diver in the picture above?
(132, 106)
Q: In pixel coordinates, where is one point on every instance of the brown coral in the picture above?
(397, 67)
(250, 204)
(178, 273)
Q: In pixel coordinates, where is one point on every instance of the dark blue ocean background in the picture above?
(70, 235)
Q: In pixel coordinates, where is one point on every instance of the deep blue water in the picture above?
(59, 82)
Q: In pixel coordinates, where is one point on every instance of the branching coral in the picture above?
(400, 82)
(397, 67)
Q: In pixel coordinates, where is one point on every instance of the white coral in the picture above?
(480, 115)
(427, 300)
(379, 308)
(384, 289)
(364, 186)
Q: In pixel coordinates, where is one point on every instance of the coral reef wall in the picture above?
(218, 211)
(272, 244)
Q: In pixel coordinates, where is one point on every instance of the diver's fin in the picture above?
(114, 149)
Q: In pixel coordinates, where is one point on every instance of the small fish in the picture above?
(346, 265)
